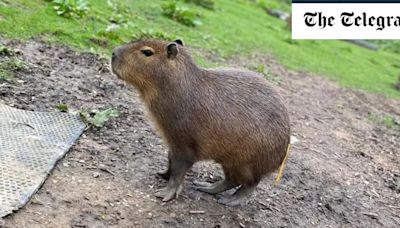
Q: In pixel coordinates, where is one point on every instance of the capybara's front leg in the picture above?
(166, 174)
(178, 169)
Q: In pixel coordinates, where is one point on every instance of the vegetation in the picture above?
(208, 4)
(150, 33)
(98, 118)
(70, 8)
(387, 121)
(5, 51)
(181, 14)
(267, 4)
(234, 27)
(93, 118)
(9, 66)
(262, 69)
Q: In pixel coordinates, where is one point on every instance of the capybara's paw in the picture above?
(168, 193)
(214, 188)
(205, 187)
(230, 201)
(201, 184)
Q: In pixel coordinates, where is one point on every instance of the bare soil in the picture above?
(344, 171)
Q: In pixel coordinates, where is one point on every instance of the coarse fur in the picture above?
(233, 117)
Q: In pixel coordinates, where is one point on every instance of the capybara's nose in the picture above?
(114, 56)
(117, 53)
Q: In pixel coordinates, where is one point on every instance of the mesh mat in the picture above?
(30, 145)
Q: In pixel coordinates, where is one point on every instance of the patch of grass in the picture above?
(181, 14)
(268, 4)
(152, 34)
(388, 45)
(9, 66)
(120, 12)
(238, 27)
(387, 121)
(262, 69)
(208, 4)
(5, 51)
(70, 8)
(4, 75)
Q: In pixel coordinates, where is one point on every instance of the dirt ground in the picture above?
(343, 172)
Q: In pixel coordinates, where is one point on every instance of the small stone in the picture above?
(293, 140)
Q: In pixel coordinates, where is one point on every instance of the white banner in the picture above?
(346, 21)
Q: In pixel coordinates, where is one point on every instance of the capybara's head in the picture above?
(149, 62)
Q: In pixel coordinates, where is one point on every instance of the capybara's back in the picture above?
(241, 123)
(231, 116)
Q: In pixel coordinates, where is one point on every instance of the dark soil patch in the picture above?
(344, 172)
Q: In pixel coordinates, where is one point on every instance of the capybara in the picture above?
(231, 116)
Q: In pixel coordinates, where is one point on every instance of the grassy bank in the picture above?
(231, 28)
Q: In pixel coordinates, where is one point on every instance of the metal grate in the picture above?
(30, 145)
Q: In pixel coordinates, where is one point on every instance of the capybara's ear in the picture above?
(179, 41)
(172, 50)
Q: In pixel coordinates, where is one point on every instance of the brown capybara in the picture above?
(233, 117)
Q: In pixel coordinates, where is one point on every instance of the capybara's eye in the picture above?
(147, 52)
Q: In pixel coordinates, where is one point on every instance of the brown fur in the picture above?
(233, 117)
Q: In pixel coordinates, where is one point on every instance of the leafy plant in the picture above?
(118, 20)
(120, 12)
(62, 107)
(151, 34)
(181, 14)
(208, 4)
(99, 118)
(91, 118)
(70, 8)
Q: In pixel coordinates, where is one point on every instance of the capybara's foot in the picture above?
(214, 188)
(176, 171)
(239, 197)
(168, 193)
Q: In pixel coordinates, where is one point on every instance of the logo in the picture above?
(345, 19)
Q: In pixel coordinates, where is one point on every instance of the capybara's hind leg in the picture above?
(217, 187)
(174, 187)
(248, 181)
(239, 197)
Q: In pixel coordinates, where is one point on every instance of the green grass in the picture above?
(234, 27)
(8, 66)
(387, 121)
